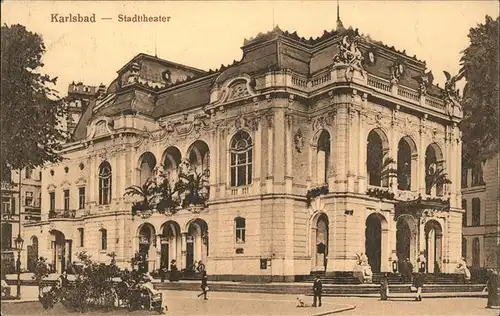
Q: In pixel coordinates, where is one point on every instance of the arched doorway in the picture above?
(32, 251)
(319, 242)
(197, 247)
(433, 246)
(406, 237)
(59, 251)
(375, 240)
(170, 243)
(146, 240)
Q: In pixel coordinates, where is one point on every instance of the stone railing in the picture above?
(408, 93)
(62, 214)
(377, 83)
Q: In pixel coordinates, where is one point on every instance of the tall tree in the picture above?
(480, 128)
(30, 112)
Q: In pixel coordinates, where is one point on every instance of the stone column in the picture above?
(182, 263)
(289, 152)
(257, 170)
(158, 251)
(270, 152)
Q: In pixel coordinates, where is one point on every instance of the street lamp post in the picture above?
(19, 242)
(19, 246)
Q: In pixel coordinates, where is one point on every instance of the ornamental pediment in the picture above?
(100, 127)
(235, 89)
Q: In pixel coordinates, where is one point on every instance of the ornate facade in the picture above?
(317, 150)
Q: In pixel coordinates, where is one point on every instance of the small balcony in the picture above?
(56, 214)
(31, 202)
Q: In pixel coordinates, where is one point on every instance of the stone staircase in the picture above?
(430, 278)
(300, 288)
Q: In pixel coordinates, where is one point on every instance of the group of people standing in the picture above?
(417, 284)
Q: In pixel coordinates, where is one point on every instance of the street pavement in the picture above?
(253, 304)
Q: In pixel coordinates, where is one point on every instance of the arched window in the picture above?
(171, 161)
(323, 157)
(404, 165)
(104, 183)
(435, 177)
(476, 252)
(464, 217)
(148, 164)
(240, 226)
(477, 175)
(476, 212)
(104, 239)
(241, 159)
(375, 156)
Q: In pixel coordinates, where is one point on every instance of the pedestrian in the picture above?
(418, 283)
(163, 272)
(173, 271)
(384, 288)
(204, 286)
(317, 291)
(409, 270)
(492, 287)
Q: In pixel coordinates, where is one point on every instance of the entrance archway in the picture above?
(375, 240)
(146, 239)
(197, 247)
(60, 253)
(319, 242)
(433, 246)
(406, 238)
(170, 243)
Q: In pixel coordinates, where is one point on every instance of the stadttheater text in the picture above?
(142, 18)
(79, 18)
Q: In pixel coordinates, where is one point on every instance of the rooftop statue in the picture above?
(451, 94)
(350, 54)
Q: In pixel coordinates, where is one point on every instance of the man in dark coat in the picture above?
(317, 290)
(204, 286)
(492, 286)
(384, 287)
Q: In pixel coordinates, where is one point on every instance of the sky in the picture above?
(206, 34)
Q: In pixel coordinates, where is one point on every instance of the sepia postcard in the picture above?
(250, 157)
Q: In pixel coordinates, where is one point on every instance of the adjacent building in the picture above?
(481, 222)
(21, 200)
(315, 151)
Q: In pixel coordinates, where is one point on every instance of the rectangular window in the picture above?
(240, 224)
(82, 236)
(464, 217)
(6, 205)
(66, 200)
(52, 201)
(13, 205)
(476, 212)
(465, 173)
(81, 198)
(104, 239)
(28, 200)
(6, 236)
(28, 172)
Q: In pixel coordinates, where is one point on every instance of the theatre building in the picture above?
(315, 150)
